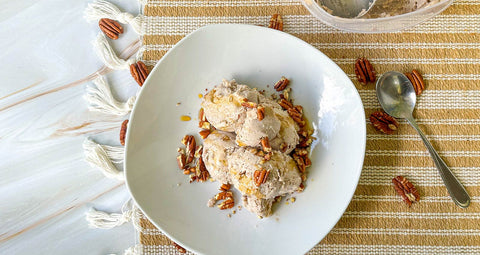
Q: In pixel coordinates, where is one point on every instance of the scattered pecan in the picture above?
(300, 163)
(201, 171)
(226, 204)
(384, 122)
(139, 72)
(190, 144)
(296, 116)
(301, 188)
(204, 133)
(123, 132)
(260, 113)
(286, 93)
(364, 71)
(305, 142)
(225, 187)
(406, 190)
(179, 248)
(266, 144)
(276, 22)
(285, 104)
(111, 28)
(260, 176)
(181, 160)
(417, 81)
(281, 84)
(224, 195)
(249, 104)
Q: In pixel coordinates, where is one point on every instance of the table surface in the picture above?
(46, 186)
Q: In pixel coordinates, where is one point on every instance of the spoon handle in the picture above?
(454, 187)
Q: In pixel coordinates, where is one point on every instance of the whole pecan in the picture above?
(265, 144)
(276, 22)
(384, 122)
(225, 187)
(190, 144)
(364, 71)
(227, 204)
(281, 84)
(260, 176)
(111, 28)
(179, 248)
(260, 113)
(139, 72)
(406, 190)
(123, 132)
(417, 81)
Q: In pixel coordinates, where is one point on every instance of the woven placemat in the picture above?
(446, 50)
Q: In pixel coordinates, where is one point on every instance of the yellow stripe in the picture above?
(224, 11)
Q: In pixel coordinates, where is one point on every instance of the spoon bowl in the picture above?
(397, 97)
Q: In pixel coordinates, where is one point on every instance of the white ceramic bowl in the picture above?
(255, 56)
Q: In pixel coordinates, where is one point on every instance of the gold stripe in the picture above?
(404, 53)
(389, 38)
(224, 11)
(418, 145)
(433, 84)
(382, 190)
(403, 161)
(441, 114)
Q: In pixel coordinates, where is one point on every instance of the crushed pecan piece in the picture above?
(268, 156)
(249, 104)
(260, 113)
(224, 195)
(406, 190)
(123, 132)
(301, 188)
(179, 248)
(139, 72)
(276, 22)
(190, 144)
(225, 187)
(364, 71)
(300, 163)
(384, 122)
(281, 84)
(181, 159)
(266, 144)
(204, 133)
(226, 204)
(260, 176)
(110, 28)
(296, 116)
(417, 81)
(285, 104)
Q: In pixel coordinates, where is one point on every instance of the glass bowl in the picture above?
(377, 25)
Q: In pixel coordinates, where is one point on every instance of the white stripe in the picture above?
(361, 249)
(397, 46)
(404, 137)
(225, 3)
(416, 215)
(432, 99)
(303, 24)
(445, 77)
(405, 153)
(425, 61)
(405, 231)
(466, 2)
(440, 121)
(423, 199)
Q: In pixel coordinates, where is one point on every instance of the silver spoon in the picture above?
(397, 97)
(348, 8)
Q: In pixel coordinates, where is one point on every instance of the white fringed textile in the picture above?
(104, 157)
(100, 99)
(103, 220)
(100, 9)
(108, 56)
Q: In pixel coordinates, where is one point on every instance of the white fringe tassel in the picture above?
(104, 157)
(103, 220)
(135, 250)
(100, 99)
(100, 9)
(106, 53)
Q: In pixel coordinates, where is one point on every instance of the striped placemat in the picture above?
(446, 50)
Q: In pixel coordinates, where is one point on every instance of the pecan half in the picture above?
(296, 116)
(226, 204)
(285, 104)
(281, 84)
(123, 132)
(179, 248)
(406, 190)
(300, 163)
(190, 144)
(225, 187)
(364, 71)
(204, 133)
(417, 81)
(224, 195)
(266, 144)
(249, 104)
(276, 22)
(260, 113)
(260, 176)
(111, 28)
(384, 122)
(139, 72)
(181, 160)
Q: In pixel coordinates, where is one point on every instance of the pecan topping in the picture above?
(204, 133)
(190, 144)
(268, 156)
(364, 71)
(266, 144)
(276, 22)
(417, 81)
(406, 190)
(179, 248)
(123, 132)
(111, 28)
(224, 195)
(225, 187)
(285, 104)
(260, 113)
(296, 116)
(283, 147)
(139, 72)
(260, 176)
(301, 188)
(201, 171)
(300, 163)
(181, 159)
(226, 204)
(384, 122)
(281, 84)
(249, 104)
